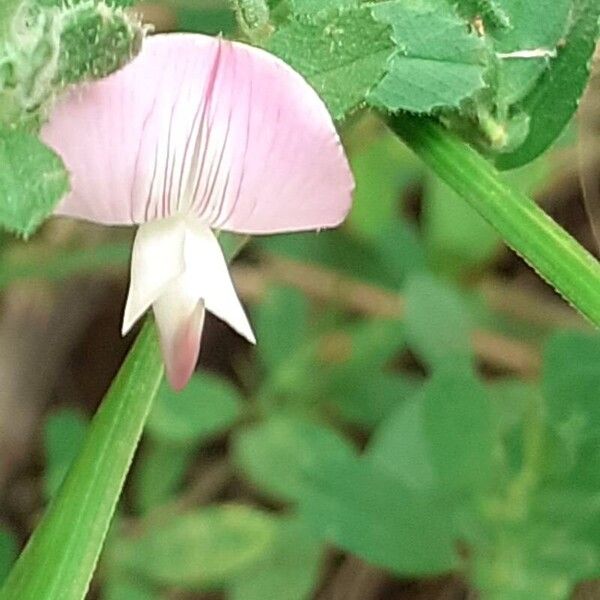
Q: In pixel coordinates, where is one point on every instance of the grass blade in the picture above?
(60, 558)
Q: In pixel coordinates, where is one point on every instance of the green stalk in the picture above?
(60, 558)
(526, 228)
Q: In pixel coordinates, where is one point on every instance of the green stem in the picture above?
(525, 227)
(59, 560)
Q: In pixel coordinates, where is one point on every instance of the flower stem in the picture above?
(526, 228)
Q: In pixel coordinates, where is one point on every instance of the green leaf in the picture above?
(199, 549)
(458, 430)
(8, 553)
(337, 250)
(64, 434)
(400, 447)
(199, 18)
(207, 407)
(289, 570)
(96, 41)
(360, 508)
(281, 326)
(61, 3)
(307, 7)
(283, 454)
(7, 10)
(160, 472)
(360, 386)
(32, 181)
(382, 171)
(438, 62)
(342, 55)
(122, 588)
(60, 557)
(370, 513)
(530, 26)
(49, 265)
(510, 400)
(438, 322)
(441, 440)
(458, 239)
(555, 98)
(571, 384)
(366, 399)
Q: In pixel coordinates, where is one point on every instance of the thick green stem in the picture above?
(525, 227)
(59, 560)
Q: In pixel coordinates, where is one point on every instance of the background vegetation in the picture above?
(420, 417)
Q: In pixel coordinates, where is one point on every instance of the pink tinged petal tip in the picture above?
(197, 124)
(197, 279)
(179, 340)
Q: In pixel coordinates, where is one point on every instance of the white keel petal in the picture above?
(180, 320)
(158, 258)
(208, 275)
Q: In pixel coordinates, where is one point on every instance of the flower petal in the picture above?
(221, 128)
(180, 322)
(158, 259)
(208, 278)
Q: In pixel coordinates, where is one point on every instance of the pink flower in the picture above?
(197, 134)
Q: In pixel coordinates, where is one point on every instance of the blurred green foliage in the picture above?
(382, 435)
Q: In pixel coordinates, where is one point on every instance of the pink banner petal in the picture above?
(197, 123)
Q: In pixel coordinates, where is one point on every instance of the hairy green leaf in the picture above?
(32, 181)
(95, 41)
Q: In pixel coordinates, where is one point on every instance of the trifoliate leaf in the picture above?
(342, 55)
(32, 181)
(438, 62)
